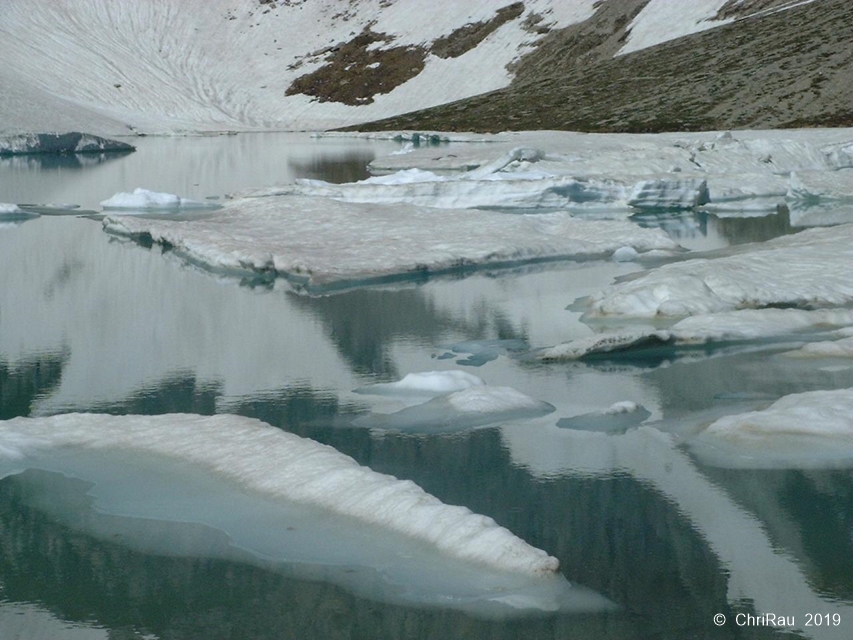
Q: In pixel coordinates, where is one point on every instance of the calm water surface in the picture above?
(92, 323)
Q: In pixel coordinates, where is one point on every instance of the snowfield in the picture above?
(169, 66)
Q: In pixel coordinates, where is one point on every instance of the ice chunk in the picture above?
(12, 212)
(616, 419)
(732, 326)
(474, 407)
(625, 254)
(810, 269)
(818, 186)
(275, 464)
(145, 200)
(319, 243)
(684, 193)
(829, 349)
(803, 430)
(73, 142)
(483, 351)
(425, 384)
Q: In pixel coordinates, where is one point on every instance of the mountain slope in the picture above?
(166, 66)
(772, 69)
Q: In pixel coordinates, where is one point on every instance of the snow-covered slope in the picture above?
(188, 65)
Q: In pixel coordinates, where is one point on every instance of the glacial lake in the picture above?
(93, 323)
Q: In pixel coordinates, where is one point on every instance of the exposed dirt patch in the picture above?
(593, 40)
(785, 69)
(469, 36)
(354, 75)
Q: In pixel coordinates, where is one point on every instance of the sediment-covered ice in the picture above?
(476, 406)
(730, 326)
(662, 193)
(425, 384)
(281, 466)
(813, 429)
(317, 243)
(810, 269)
(145, 200)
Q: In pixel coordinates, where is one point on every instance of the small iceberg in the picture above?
(145, 200)
(616, 419)
(477, 406)
(13, 213)
(802, 430)
(426, 384)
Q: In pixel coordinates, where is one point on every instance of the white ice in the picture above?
(6, 207)
(476, 406)
(827, 349)
(803, 430)
(310, 240)
(279, 466)
(810, 269)
(425, 384)
(144, 200)
(730, 326)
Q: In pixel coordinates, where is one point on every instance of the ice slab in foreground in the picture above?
(803, 430)
(731, 326)
(323, 244)
(477, 406)
(426, 384)
(279, 498)
(810, 269)
(145, 200)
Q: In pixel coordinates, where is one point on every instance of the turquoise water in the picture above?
(91, 323)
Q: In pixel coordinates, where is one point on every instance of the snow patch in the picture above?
(143, 199)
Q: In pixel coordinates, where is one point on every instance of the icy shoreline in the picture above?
(63, 143)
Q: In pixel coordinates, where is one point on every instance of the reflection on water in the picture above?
(90, 324)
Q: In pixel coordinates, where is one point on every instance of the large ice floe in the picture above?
(234, 487)
(318, 243)
(811, 269)
(510, 181)
(699, 330)
(803, 430)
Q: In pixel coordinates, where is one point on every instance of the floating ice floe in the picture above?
(73, 142)
(258, 494)
(616, 419)
(803, 430)
(810, 269)
(425, 384)
(821, 186)
(827, 349)
(318, 243)
(145, 200)
(509, 181)
(12, 212)
(731, 326)
(476, 406)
